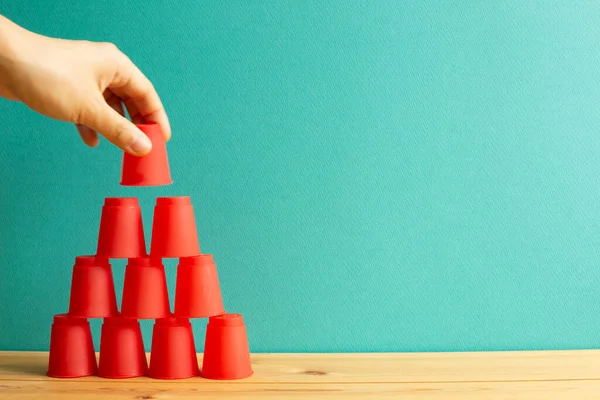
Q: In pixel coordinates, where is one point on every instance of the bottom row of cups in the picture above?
(172, 356)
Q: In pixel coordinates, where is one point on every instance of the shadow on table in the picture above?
(30, 370)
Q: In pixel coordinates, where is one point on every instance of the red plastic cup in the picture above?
(121, 230)
(71, 348)
(122, 349)
(173, 354)
(174, 232)
(151, 169)
(226, 353)
(197, 293)
(145, 294)
(92, 289)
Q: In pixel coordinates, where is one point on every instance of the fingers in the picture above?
(102, 118)
(114, 101)
(136, 118)
(89, 136)
(139, 96)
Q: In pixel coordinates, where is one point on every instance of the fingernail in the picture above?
(141, 144)
(168, 133)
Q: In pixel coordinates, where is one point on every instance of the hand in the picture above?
(82, 82)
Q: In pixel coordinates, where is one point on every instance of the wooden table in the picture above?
(499, 375)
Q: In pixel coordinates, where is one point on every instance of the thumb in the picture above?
(117, 129)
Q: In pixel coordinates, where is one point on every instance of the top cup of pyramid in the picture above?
(151, 169)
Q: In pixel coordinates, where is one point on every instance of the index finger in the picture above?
(139, 95)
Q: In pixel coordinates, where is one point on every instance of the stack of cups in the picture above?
(145, 294)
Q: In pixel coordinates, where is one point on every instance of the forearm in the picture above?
(11, 40)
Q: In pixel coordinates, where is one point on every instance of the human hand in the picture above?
(82, 82)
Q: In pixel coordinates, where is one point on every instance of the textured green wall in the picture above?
(370, 176)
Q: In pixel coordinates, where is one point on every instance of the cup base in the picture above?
(227, 379)
(58, 376)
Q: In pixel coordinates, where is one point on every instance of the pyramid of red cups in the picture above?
(145, 295)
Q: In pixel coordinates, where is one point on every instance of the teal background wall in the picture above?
(370, 175)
